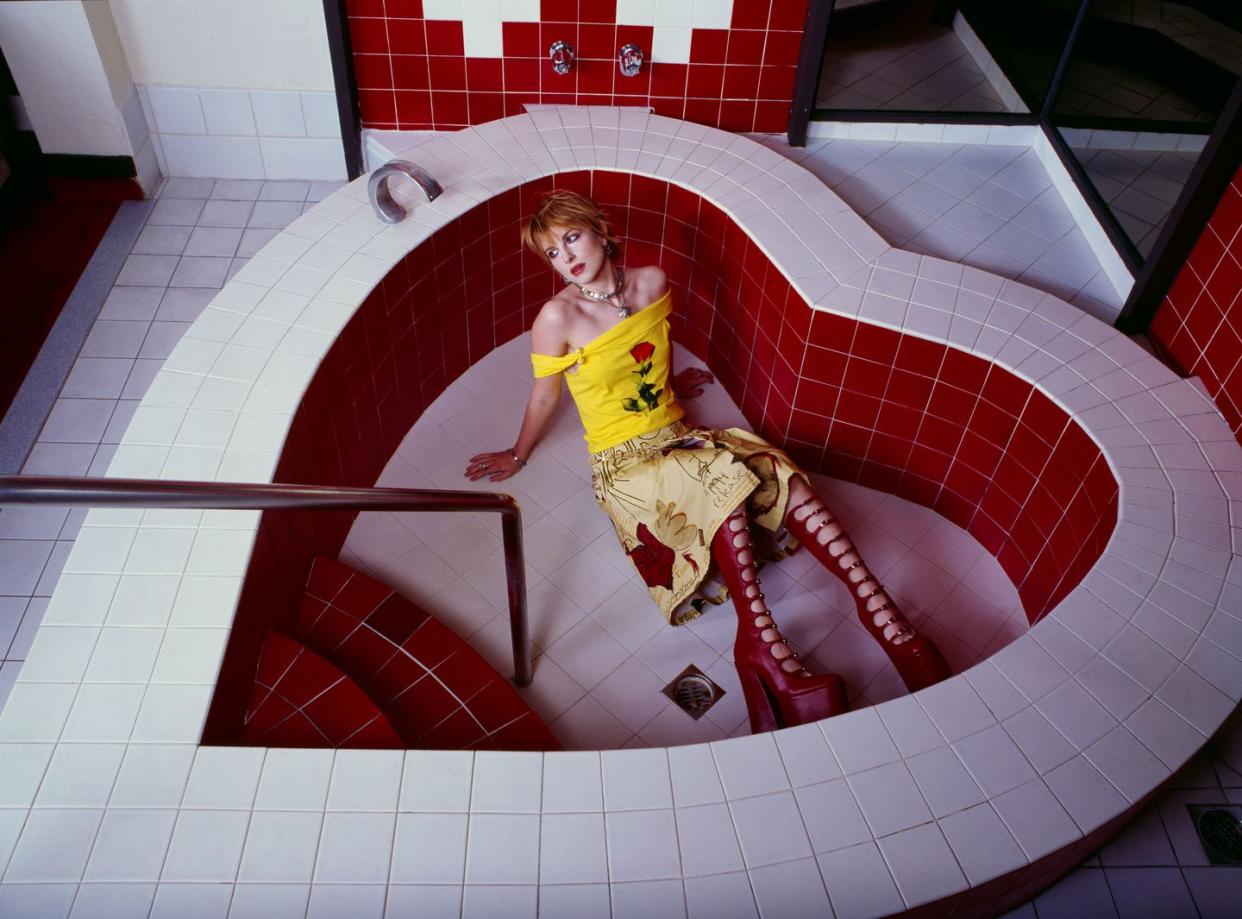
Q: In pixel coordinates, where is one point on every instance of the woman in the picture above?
(682, 497)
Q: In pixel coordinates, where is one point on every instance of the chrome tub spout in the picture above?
(386, 208)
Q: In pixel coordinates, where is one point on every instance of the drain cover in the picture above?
(1220, 831)
(693, 692)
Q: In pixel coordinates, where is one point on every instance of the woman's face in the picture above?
(576, 253)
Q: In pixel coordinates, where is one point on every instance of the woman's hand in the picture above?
(494, 466)
(689, 383)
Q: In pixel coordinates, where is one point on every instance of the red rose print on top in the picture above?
(648, 396)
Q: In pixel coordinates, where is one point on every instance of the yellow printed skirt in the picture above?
(668, 492)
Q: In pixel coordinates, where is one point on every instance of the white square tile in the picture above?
(320, 114)
(503, 849)
(269, 901)
(889, 798)
(176, 110)
(280, 847)
(831, 816)
(859, 882)
(152, 775)
(636, 780)
(483, 39)
(994, 760)
(302, 158)
(922, 864)
(103, 712)
(722, 895)
(695, 780)
(1088, 797)
(429, 849)
(54, 845)
(224, 778)
(572, 782)
(750, 766)
(806, 755)
(202, 156)
(944, 781)
(571, 849)
(365, 780)
(80, 775)
(1036, 820)
(506, 782)
(227, 112)
(354, 847)
(642, 845)
(859, 740)
(769, 829)
(201, 901)
(708, 840)
(278, 114)
(206, 846)
(984, 849)
(294, 780)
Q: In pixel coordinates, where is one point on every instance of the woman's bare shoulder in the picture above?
(650, 282)
(548, 333)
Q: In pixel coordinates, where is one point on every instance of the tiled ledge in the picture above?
(1031, 753)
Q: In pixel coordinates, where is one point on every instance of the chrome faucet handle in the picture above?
(562, 54)
(630, 59)
(386, 208)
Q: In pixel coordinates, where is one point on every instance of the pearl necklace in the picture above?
(619, 292)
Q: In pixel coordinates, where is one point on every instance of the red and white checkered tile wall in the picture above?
(443, 64)
(853, 400)
(1199, 325)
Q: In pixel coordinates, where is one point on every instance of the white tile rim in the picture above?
(550, 141)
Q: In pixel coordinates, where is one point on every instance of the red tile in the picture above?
(708, 46)
(752, 14)
(788, 14)
(444, 37)
(407, 36)
(558, 10)
(745, 47)
(741, 81)
(521, 39)
(368, 36)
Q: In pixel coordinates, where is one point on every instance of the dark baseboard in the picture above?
(84, 166)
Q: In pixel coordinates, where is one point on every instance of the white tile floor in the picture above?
(905, 62)
(1141, 186)
(993, 207)
(603, 651)
(198, 233)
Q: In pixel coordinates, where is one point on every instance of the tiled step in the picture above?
(438, 692)
(302, 700)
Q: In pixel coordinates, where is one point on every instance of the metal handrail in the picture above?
(105, 492)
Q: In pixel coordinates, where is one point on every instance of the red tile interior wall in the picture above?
(412, 73)
(891, 411)
(1199, 325)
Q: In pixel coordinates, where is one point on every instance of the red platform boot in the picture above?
(779, 691)
(916, 657)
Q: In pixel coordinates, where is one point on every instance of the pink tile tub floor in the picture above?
(603, 652)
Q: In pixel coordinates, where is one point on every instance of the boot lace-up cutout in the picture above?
(778, 689)
(915, 656)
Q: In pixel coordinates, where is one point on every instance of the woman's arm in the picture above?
(547, 337)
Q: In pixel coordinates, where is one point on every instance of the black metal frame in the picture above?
(336, 17)
(107, 492)
(1208, 180)
(810, 63)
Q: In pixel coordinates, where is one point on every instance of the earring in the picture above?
(609, 249)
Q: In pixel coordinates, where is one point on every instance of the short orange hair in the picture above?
(566, 209)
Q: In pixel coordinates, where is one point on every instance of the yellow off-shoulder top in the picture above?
(620, 384)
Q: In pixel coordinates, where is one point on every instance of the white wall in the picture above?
(64, 83)
(233, 44)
